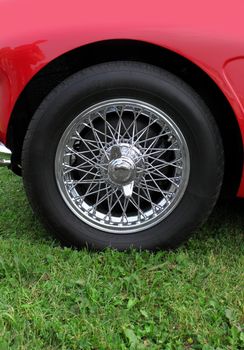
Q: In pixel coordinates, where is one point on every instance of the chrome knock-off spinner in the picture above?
(123, 166)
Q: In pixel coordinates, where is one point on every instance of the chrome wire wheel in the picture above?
(122, 166)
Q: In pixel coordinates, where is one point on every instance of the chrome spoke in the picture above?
(139, 200)
(89, 161)
(163, 165)
(157, 159)
(145, 186)
(132, 125)
(155, 139)
(92, 143)
(89, 193)
(143, 131)
(108, 126)
(77, 168)
(149, 199)
(147, 192)
(81, 180)
(162, 150)
(100, 200)
(131, 199)
(124, 215)
(170, 179)
(118, 201)
(90, 150)
(137, 114)
(119, 125)
(110, 203)
(164, 193)
(154, 181)
(95, 133)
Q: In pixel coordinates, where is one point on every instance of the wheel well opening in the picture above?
(62, 67)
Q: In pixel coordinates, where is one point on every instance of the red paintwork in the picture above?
(209, 33)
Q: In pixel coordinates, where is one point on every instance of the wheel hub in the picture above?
(121, 171)
(124, 165)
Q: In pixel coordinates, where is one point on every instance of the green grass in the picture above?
(54, 298)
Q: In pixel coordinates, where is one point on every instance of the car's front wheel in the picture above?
(122, 154)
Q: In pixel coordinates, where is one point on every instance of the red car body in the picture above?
(210, 34)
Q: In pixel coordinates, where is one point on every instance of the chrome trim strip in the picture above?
(5, 155)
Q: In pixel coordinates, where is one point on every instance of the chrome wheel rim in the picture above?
(122, 166)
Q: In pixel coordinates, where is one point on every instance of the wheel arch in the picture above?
(111, 50)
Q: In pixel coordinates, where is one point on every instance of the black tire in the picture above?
(128, 80)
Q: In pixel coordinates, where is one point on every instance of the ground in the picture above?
(56, 298)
